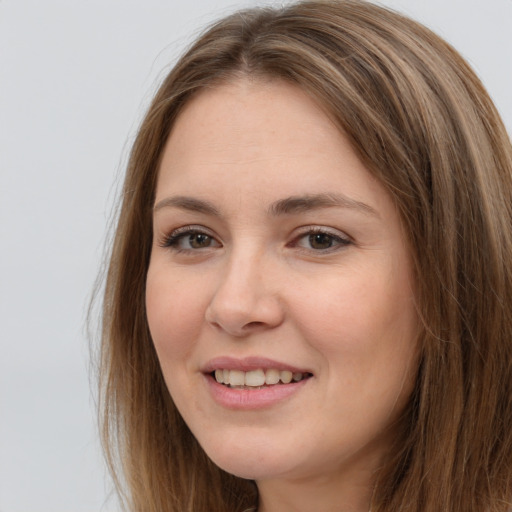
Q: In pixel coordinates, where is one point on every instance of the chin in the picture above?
(251, 469)
(252, 461)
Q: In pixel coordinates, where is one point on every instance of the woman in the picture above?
(309, 298)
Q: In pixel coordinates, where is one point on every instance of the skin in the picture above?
(339, 305)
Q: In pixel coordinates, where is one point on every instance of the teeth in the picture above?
(236, 378)
(272, 377)
(286, 377)
(256, 378)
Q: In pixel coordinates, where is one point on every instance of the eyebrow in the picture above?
(187, 203)
(300, 204)
(288, 206)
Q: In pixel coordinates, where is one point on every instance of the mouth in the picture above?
(257, 379)
(254, 383)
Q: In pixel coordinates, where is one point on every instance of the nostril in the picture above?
(253, 325)
(241, 317)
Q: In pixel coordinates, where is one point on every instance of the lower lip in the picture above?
(252, 399)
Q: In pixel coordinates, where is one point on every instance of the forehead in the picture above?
(246, 123)
(261, 141)
(250, 114)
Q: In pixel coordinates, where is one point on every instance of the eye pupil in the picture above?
(199, 240)
(320, 241)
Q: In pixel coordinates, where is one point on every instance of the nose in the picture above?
(246, 299)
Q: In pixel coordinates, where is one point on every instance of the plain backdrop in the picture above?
(75, 78)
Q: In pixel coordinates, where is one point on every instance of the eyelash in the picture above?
(337, 240)
(173, 240)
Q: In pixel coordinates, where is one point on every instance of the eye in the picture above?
(321, 240)
(189, 239)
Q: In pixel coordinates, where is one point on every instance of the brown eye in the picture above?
(321, 241)
(199, 240)
(190, 239)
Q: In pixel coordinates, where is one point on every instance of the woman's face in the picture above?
(278, 257)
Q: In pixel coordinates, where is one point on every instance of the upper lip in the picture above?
(247, 364)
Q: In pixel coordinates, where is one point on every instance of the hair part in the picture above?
(423, 124)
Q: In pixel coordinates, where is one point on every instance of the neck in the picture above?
(321, 495)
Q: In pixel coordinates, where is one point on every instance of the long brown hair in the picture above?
(423, 124)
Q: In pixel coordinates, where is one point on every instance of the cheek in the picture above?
(366, 306)
(366, 324)
(174, 313)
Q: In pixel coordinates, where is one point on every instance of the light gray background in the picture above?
(75, 77)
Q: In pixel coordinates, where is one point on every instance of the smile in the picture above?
(257, 378)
